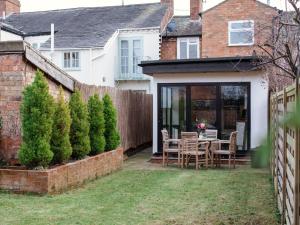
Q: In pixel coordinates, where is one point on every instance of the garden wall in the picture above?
(63, 177)
(18, 64)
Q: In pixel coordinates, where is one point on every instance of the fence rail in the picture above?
(134, 113)
(285, 157)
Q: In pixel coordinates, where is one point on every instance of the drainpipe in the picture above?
(52, 41)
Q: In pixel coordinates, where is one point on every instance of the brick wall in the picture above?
(9, 6)
(168, 48)
(15, 73)
(215, 26)
(63, 177)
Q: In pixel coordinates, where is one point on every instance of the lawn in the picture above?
(153, 196)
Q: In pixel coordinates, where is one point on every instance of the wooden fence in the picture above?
(285, 157)
(134, 113)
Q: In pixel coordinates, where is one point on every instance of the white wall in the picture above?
(259, 98)
(7, 36)
(37, 39)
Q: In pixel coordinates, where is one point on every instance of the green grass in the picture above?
(153, 197)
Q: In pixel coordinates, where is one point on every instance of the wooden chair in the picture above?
(191, 149)
(231, 152)
(211, 133)
(168, 149)
(185, 136)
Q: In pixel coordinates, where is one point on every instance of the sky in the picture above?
(181, 6)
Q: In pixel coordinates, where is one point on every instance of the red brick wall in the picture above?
(15, 74)
(10, 6)
(63, 177)
(168, 49)
(195, 9)
(215, 26)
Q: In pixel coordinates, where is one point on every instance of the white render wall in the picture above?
(7, 36)
(259, 98)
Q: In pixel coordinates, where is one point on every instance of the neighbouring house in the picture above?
(208, 73)
(98, 46)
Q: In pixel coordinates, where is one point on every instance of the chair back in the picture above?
(190, 145)
(189, 135)
(233, 142)
(165, 135)
(212, 134)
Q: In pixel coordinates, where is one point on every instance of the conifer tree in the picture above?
(79, 133)
(60, 141)
(97, 125)
(37, 119)
(111, 134)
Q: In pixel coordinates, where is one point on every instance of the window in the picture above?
(188, 48)
(71, 60)
(241, 33)
(35, 45)
(131, 54)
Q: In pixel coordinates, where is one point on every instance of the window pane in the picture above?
(241, 25)
(67, 59)
(124, 56)
(242, 37)
(137, 55)
(183, 50)
(193, 51)
(75, 59)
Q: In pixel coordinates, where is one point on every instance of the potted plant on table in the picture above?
(201, 128)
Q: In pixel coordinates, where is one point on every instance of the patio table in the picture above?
(210, 140)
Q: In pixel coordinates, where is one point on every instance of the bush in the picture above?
(111, 134)
(97, 125)
(79, 133)
(60, 141)
(37, 119)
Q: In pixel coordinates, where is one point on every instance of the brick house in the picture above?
(208, 73)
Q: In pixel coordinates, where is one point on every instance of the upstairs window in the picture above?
(188, 48)
(241, 33)
(131, 54)
(71, 60)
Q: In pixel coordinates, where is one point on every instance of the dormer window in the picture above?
(241, 33)
(188, 48)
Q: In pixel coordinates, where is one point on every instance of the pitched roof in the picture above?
(184, 27)
(87, 27)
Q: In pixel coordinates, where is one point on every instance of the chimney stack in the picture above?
(170, 4)
(10, 6)
(196, 8)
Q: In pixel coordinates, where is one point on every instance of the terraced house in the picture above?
(208, 73)
(100, 46)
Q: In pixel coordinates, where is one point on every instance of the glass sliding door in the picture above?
(234, 113)
(222, 106)
(173, 110)
(204, 106)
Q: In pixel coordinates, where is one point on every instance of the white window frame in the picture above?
(71, 60)
(189, 41)
(241, 30)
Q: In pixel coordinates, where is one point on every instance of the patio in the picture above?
(146, 193)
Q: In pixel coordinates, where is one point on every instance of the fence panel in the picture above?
(134, 113)
(285, 157)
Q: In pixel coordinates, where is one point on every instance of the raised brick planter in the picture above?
(61, 178)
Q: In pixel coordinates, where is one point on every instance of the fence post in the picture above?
(297, 163)
(283, 219)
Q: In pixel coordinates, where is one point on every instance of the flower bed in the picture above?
(63, 177)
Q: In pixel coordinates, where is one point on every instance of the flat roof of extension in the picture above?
(203, 65)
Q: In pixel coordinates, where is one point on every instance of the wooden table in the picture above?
(210, 140)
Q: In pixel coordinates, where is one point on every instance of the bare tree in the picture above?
(280, 52)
